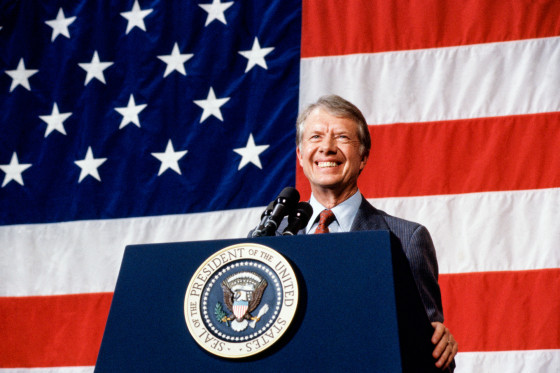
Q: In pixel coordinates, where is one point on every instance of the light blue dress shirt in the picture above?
(344, 214)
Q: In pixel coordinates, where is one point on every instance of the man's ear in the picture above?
(363, 162)
(299, 157)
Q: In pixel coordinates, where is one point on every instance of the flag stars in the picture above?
(211, 106)
(135, 17)
(130, 112)
(13, 170)
(175, 61)
(89, 166)
(250, 153)
(95, 69)
(60, 25)
(256, 55)
(170, 158)
(21, 75)
(216, 11)
(55, 121)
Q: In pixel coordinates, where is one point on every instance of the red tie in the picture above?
(325, 218)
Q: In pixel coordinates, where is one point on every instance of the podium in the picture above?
(359, 309)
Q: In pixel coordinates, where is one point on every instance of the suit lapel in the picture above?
(368, 218)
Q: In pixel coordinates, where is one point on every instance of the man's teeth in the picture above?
(326, 164)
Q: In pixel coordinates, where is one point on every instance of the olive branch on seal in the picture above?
(220, 314)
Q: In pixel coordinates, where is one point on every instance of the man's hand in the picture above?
(446, 346)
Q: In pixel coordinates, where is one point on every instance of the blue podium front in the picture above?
(358, 309)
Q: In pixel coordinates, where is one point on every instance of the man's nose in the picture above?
(328, 144)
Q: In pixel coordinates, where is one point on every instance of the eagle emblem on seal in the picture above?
(243, 292)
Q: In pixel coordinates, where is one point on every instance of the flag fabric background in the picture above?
(125, 122)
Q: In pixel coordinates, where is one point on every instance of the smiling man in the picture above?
(333, 145)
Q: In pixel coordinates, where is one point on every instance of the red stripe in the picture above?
(52, 331)
(487, 311)
(500, 311)
(487, 154)
(333, 27)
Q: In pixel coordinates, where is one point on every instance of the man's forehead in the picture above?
(320, 119)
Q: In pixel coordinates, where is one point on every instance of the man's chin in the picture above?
(327, 184)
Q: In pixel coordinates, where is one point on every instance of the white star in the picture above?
(175, 61)
(211, 106)
(20, 76)
(95, 69)
(60, 25)
(256, 55)
(250, 153)
(13, 170)
(130, 112)
(89, 165)
(215, 11)
(135, 17)
(170, 158)
(55, 120)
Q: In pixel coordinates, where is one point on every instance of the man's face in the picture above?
(330, 152)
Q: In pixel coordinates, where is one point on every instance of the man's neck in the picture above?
(331, 198)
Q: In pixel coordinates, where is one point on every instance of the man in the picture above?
(333, 145)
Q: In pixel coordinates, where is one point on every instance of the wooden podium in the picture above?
(359, 309)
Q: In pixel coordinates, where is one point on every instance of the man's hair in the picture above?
(341, 108)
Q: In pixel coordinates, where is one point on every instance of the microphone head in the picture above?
(283, 205)
(268, 210)
(303, 213)
(289, 197)
(298, 219)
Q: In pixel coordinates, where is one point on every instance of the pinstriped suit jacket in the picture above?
(417, 246)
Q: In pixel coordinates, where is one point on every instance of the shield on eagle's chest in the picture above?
(240, 308)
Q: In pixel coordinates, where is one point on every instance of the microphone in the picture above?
(283, 205)
(264, 217)
(298, 219)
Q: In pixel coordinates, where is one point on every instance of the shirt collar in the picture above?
(344, 212)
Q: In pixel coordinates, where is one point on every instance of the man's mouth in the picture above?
(326, 164)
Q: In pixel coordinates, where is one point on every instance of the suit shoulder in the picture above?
(396, 221)
(403, 228)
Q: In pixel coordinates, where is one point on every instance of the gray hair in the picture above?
(341, 108)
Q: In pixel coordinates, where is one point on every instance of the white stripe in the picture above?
(495, 79)
(535, 361)
(88, 369)
(497, 231)
(85, 256)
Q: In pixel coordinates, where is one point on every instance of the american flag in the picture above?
(140, 121)
(127, 112)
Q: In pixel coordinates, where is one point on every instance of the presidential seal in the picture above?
(241, 300)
